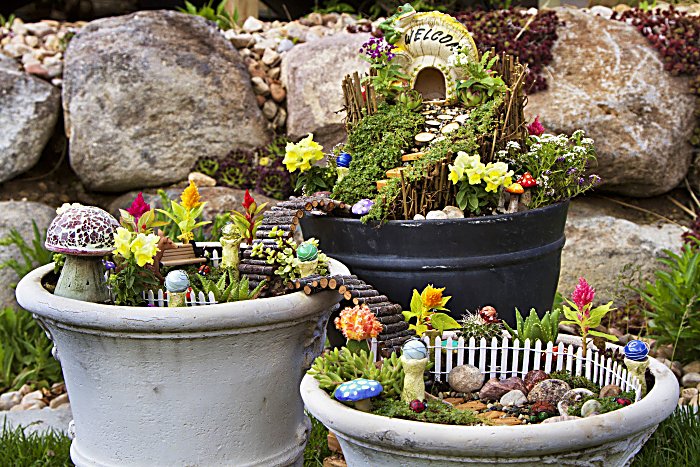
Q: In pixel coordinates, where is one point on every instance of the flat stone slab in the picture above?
(41, 420)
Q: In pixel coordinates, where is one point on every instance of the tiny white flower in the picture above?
(512, 145)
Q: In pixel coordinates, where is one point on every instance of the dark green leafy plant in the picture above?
(575, 381)
(317, 178)
(33, 255)
(483, 83)
(25, 352)
(435, 412)
(338, 366)
(130, 282)
(208, 166)
(545, 329)
(673, 301)
(223, 19)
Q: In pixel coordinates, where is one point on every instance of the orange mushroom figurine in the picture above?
(515, 188)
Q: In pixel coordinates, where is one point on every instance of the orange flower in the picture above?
(358, 323)
(432, 297)
(190, 197)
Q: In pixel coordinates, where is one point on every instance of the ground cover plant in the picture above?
(39, 449)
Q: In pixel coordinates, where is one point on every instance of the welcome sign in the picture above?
(427, 40)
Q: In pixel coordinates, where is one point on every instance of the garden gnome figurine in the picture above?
(307, 253)
(637, 362)
(231, 243)
(176, 283)
(414, 359)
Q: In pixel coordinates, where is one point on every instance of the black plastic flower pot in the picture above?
(507, 261)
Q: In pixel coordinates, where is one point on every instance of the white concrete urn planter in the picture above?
(610, 439)
(195, 386)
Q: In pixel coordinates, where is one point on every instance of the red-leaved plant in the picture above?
(250, 219)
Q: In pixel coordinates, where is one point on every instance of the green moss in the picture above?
(435, 412)
(375, 145)
(607, 404)
(575, 381)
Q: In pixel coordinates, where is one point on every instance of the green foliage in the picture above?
(673, 300)
(412, 100)
(208, 167)
(474, 326)
(38, 449)
(223, 19)
(130, 282)
(33, 255)
(435, 412)
(575, 381)
(676, 442)
(25, 352)
(424, 312)
(338, 366)
(483, 84)
(317, 447)
(228, 287)
(220, 220)
(587, 319)
(284, 257)
(607, 404)
(545, 329)
(161, 216)
(7, 22)
(333, 6)
(317, 178)
(375, 145)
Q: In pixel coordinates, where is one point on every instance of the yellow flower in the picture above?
(432, 297)
(497, 174)
(122, 242)
(190, 197)
(264, 161)
(302, 155)
(186, 237)
(476, 173)
(144, 247)
(456, 174)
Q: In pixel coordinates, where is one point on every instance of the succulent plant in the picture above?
(473, 325)
(340, 365)
(545, 329)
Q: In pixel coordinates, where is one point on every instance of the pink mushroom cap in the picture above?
(82, 231)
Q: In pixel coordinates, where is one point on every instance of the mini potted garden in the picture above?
(479, 391)
(166, 345)
(449, 183)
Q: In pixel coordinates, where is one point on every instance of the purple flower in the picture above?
(109, 265)
(572, 170)
(561, 159)
(594, 179)
(581, 180)
(362, 207)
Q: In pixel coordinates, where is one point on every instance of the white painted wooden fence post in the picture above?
(438, 359)
(548, 358)
(472, 350)
(460, 351)
(516, 356)
(482, 355)
(537, 357)
(493, 350)
(526, 357)
(504, 358)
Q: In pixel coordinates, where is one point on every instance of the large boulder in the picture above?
(608, 250)
(147, 94)
(608, 80)
(30, 108)
(313, 74)
(19, 215)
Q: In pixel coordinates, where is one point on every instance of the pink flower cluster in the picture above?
(583, 296)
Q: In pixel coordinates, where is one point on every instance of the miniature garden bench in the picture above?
(182, 255)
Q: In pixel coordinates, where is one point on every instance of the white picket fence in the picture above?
(160, 298)
(503, 359)
(212, 250)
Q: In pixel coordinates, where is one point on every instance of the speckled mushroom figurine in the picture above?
(85, 234)
(637, 362)
(359, 391)
(307, 254)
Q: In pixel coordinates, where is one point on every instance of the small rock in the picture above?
(274, 73)
(240, 41)
(436, 215)
(533, 377)
(494, 389)
(39, 29)
(465, 378)
(285, 45)
(688, 393)
(692, 367)
(9, 400)
(270, 57)
(694, 401)
(201, 179)
(601, 10)
(59, 401)
(474, 406)
(277, 92)
(611, 390)
(260, 87)
(252, 24)
(449, 128)
(453, 212)
(419, 217)
(543, 407)
(561, 418)
(550, 390)
(514, 398)
(570, 398)
(590, 407)
(18, 408)
(32, 397)
(37, 69)
(690, 379)
(281, 118)
(24, 390)
(35, 405)
(31, 41)
(269, 109)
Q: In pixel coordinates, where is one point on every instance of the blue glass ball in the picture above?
(344, 160)
(636, 350)
(414, 350)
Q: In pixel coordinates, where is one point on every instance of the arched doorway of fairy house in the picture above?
(431, 84)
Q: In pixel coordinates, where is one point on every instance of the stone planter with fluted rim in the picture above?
(204, 385)
(610, 439)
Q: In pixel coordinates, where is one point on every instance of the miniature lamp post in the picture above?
(359, 391)
(637, 362)
(307, 254)
(343, 165)
(84, 234)
(414, 358)
(176, 283)
(230, 242)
